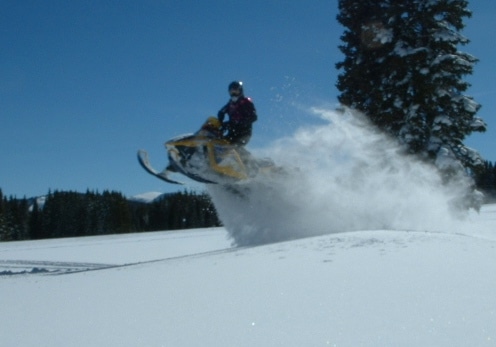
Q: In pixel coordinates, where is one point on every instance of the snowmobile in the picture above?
(207, 157)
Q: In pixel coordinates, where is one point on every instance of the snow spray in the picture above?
(337, 177)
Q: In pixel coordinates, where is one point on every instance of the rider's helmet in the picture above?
(235, 88)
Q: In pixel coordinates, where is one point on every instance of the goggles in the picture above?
(234, 92)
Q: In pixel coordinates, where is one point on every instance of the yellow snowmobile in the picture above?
(206, 157)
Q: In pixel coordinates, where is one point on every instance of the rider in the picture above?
(242, 115)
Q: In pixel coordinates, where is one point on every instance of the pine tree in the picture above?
(486, 180)
(35, 222)
(4, 225)
(402, 68)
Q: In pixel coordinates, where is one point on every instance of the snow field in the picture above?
(363, 288)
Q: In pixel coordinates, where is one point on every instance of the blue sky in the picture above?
(86, 83)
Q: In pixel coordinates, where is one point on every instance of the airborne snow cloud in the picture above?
(340, 176)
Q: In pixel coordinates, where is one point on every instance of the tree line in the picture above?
(71, 214)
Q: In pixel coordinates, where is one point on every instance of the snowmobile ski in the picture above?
(145, 164)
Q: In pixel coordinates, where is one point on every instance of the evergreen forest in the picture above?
(72, 214)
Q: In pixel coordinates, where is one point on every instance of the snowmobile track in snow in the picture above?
(30, 267)
(26, 267)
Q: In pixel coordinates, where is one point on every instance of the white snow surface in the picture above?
(191, 288)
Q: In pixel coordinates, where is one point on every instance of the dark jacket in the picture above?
(242, 115)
